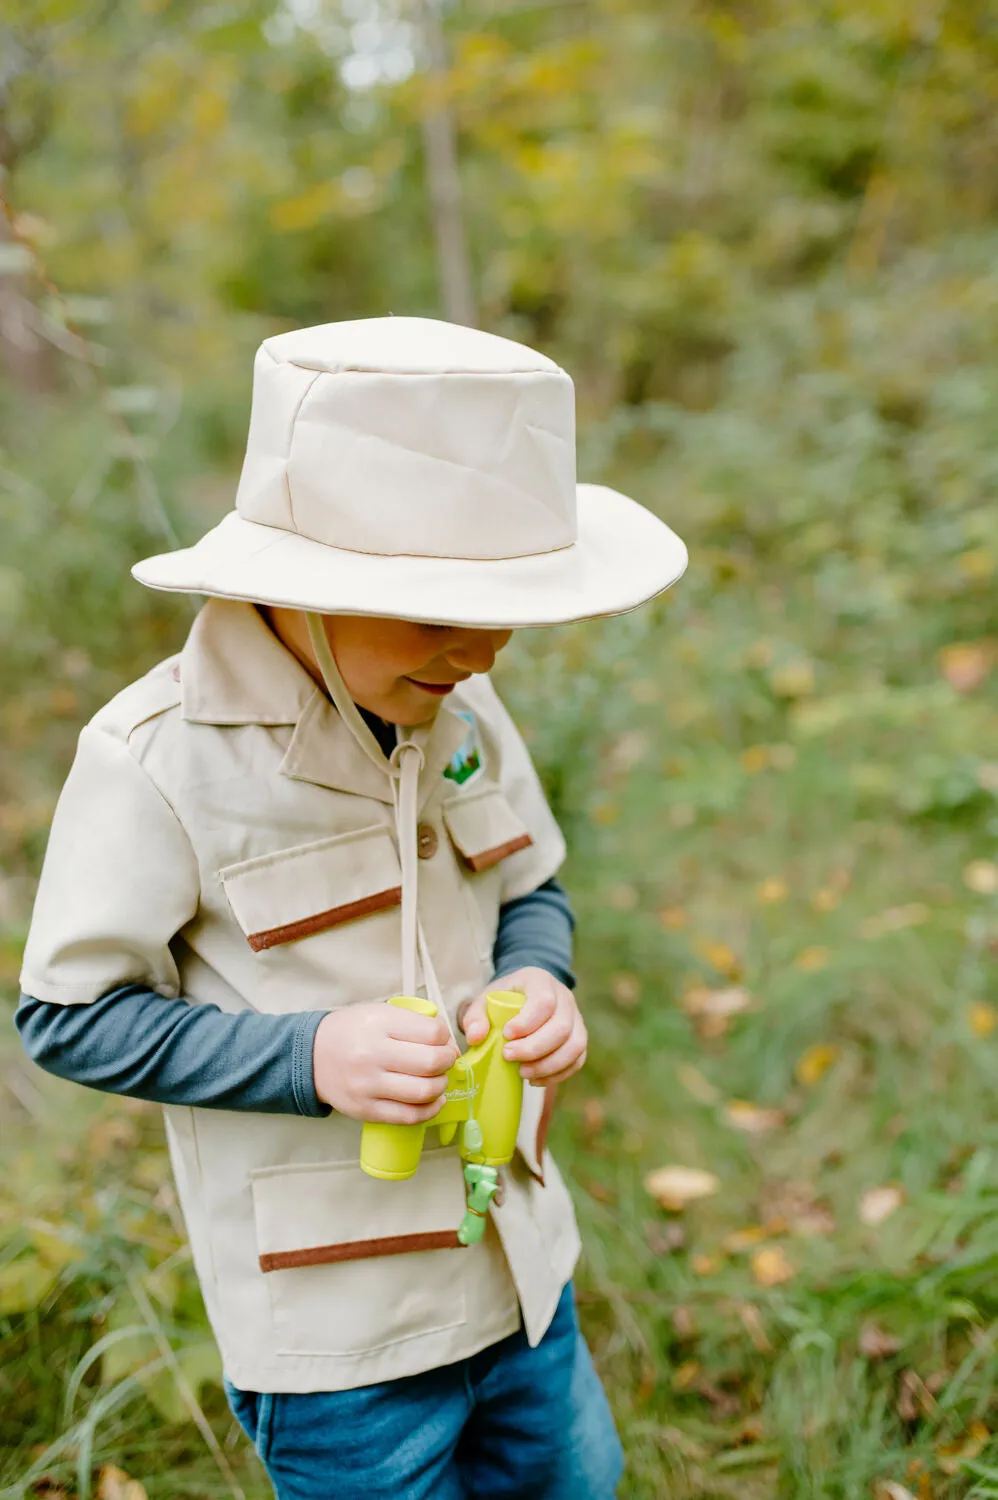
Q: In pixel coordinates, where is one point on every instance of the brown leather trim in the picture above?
(322, 920)
(489, 857)
(543, 1125)
(392, 1244)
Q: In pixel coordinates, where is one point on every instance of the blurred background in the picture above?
(763, 237)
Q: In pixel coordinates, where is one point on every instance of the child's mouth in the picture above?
(438, 689)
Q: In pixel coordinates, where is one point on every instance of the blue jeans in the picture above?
(510, 1423)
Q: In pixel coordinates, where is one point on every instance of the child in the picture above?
(230, 892)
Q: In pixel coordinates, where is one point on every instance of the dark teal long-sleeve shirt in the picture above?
(137, 1042)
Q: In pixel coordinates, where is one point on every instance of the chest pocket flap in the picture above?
(293, 893)
(484, 828)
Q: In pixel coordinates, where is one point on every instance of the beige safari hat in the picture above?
(420, 470)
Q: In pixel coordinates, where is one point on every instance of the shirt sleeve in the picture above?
(134, 1041)
(119, 881)
(535, 931)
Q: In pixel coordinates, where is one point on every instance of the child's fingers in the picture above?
(405, 1089)
(410, 1026)
(472, 1017)
(540, 1004)
(417, 1060)
(547, 1038)
(391, 1112)
(562, 1063)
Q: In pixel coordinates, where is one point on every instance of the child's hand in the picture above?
(548, 1037)
(379, 1062)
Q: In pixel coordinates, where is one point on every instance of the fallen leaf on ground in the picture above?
(704, 1265)
(878, 1203)
(741, 1240)
(983, 1018)
(952, 1456)
(895, 920)
(889, 1489)
(752, 1119)
(966, 664)
(701, 1001)
(813, 1064)
(674, 918)
(772, 890)
(685, 1374)
(981, 875)
(673, 1187)
(719, 956)
(626, 990)
(914, 1397)
(771, 1266)
(876, 1343)
(665, 1239)
(114, 1484)
(812, 959)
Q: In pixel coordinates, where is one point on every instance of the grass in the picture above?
(779, 786)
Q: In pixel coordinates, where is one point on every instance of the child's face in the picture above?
(403, 671)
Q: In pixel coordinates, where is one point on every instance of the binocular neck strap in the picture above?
(403, 770)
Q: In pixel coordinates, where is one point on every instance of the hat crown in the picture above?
(409, 436)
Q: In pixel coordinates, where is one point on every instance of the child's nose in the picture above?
(477, 650)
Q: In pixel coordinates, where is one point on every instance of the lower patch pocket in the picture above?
(323, 1233)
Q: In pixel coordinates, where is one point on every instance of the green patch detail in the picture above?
(468, 760)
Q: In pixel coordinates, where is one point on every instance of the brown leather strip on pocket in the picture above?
(272, 937)
(489, 857)
(392, 1244)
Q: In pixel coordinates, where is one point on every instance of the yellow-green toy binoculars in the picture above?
(483, 1100)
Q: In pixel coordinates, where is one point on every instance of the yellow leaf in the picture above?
(746, 1239)
(24, 1283)
(812, 959)
(877, 1204)
(966, 664)
(719, 956)
(752, 1119)
(755, 759)
(685, 1374)
(674, 918)
(772, 890)
(982, 1018)
(889, 1489)
(952, 1456)
(813, 1064)
(674, 1187)
(114, 1484)
(771, 1266)
(981, 875)
(825, 899)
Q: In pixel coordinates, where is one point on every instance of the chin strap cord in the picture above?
(402, 769)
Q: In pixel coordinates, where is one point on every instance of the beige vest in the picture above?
(223, 836)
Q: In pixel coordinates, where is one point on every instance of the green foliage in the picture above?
(763, 237)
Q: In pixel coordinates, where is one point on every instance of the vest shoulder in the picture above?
(150, 697)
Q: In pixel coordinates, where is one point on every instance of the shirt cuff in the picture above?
(302, 1072)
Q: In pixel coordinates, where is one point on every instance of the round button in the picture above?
(426, 841)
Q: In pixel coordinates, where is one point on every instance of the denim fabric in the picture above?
(511, 1423)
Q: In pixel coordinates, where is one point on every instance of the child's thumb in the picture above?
(473, 1020)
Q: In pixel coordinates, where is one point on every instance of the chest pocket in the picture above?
(323, 919)
(485, 832)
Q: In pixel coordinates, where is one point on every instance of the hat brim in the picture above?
(624, 556)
